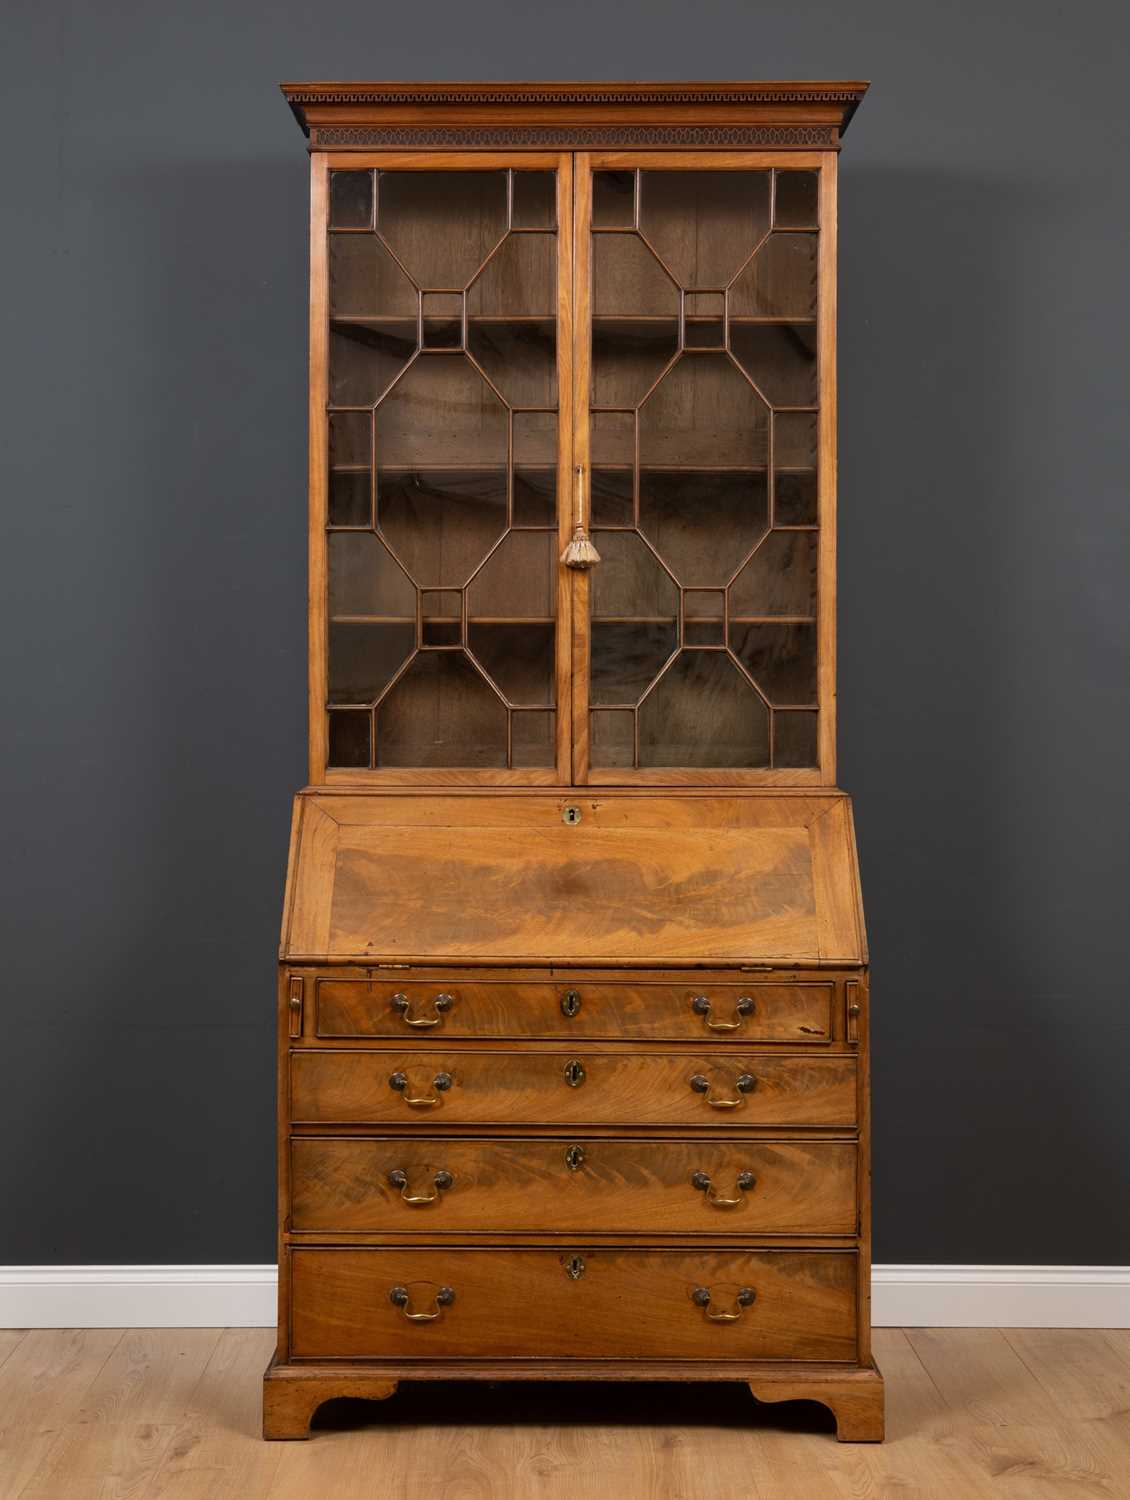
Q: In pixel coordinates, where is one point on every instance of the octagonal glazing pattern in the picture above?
(703, 488)
(442, 485)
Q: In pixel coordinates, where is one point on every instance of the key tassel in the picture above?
(580, 553)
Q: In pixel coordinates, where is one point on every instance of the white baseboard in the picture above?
(244, 1296)
(1000, 1296)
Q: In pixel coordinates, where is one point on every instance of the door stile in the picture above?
(566, 402)
(318, 720)
(826, 471)
(581, 476)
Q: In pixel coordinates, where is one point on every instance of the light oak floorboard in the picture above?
(10, 1340)
(100, 1461)
(168, 1415)
(216, 1452)
(42, 1383)
(150, 1376)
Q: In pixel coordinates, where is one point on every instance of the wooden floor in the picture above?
(972, 1412)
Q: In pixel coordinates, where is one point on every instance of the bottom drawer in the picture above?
(579, 1303)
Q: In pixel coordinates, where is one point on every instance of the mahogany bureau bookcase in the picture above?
(573, 995)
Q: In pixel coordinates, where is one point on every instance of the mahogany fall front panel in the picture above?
(573, 993)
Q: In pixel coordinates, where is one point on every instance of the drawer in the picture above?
(755, 1012)
(437, 1186)
(580, 1302)
(481, 1087)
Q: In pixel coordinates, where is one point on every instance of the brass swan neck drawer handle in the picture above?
(400, 1297)
(745, 1182)
(440, 1182)
(744, 1007)
(701, 1298)
(441, 1082)
(440, 1004)
(745, 1084)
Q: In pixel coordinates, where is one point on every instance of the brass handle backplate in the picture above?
(745, 1181)
(400, 1297)
(745, 1083)
(440, 1004)
(441, 1083)
(701, 1297)
(440, 1182)
(744, 1007)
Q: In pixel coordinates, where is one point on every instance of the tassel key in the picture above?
(580, 554)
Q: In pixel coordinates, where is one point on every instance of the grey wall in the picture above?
(153, 454)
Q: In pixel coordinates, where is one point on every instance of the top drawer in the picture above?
(638, 1009)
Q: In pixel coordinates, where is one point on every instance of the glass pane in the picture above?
(703, 712)
(442, 438)
(351, 200)
(702, 430)
(780, 658)
(441, 713)
(614, 200)
(780, 280)
(533, 739)
(535, 200)
(441, 226)
(611, 737)
(351, 738)
(794, 739)
(704, 225)
(780, 359)
(797, 199)
(535, 468)
(365, 656)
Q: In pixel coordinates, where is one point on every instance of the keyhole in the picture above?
(574, 1074)
(570, 1003)
(571, 815)
(575, 1267)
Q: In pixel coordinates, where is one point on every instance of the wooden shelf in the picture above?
(599, 320)
(550, 467)
(701, 469)
(443, 619)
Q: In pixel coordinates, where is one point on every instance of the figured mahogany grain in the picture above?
(619, 1088)
(623, 1303)
(342, 1185)
(796, 1013)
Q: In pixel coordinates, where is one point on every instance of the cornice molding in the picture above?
(322, 106)
(609, 93)
(797, 137)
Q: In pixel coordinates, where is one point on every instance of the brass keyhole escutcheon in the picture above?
(574, 1073)
(575, 1267)
(570, 1003)
(571, 814)
(574, 1158)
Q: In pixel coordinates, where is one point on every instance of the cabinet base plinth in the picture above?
(855, 1397)
(854, 1394)
(292, 1394)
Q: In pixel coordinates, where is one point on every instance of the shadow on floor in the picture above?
(475, 1403)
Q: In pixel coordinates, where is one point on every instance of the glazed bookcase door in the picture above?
(441, 440)
(704, 431)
